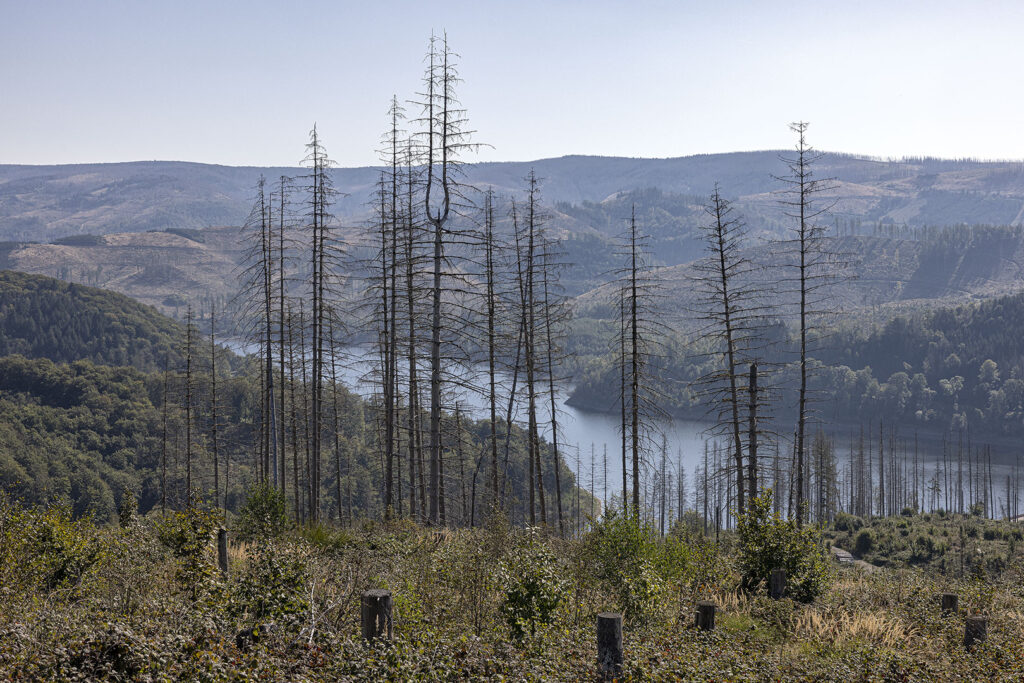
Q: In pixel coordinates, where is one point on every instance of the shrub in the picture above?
(264, 513)
(189, 535)
(625, 554)
(273, 586)
(847, 522)
(64, 550)
(864, 542)
(767, 542)
(531, 584)
(127, 509)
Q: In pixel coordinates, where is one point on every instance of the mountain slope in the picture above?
(41, 317)
(46, 202)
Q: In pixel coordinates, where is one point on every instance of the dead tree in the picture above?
(554, 314)
(324, 257)
(188, 397)
(728, 305)
(639, 340)
(444, 139)
(811, 266)
(214, 425)
(255, 304)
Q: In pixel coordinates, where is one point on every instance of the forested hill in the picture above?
(41, 317)
(960, 366)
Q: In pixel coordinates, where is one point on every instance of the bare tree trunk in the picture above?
(189, 329)
(634, 355)
(296, 490)
(752, 433)
(546, 307)
(213, 410)
(491, 345)
(163, 438)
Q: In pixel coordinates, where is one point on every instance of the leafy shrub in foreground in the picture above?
(864, 542)
(626, 554)
(189, 535)
(532, 586)
(767, 542)
(45, 548)
(273, 586)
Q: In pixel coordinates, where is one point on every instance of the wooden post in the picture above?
(950, 603)
(376, 615)
(222, 550)
(778, 584)
(976, 630)
(706, 615)
(609, 645)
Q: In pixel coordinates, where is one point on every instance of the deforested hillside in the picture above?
(42, 203)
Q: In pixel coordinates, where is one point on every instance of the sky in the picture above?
(242, 83)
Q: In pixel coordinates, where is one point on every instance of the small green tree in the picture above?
(767, 542)
(264, 514)
(624, 553)
(532, 586)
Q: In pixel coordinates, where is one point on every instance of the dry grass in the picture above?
(837, 628)
(238, 553)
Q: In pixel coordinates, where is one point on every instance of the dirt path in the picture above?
(844, 557)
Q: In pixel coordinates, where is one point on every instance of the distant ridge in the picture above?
(42, 203)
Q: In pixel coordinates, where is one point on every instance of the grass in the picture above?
(141, 610)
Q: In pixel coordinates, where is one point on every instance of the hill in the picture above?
(165, 270)
(954, 366)
(42, 203)
(41, 317)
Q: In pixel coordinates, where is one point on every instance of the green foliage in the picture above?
(273, 586)
(626, 555)
(264, 513)
(189, 535)
(46, 548)
(767, 542)
(122, 623)
(65, 550)
(41, 317)
(127, 510)
(846, 522)
(531, 585)
(864, 542)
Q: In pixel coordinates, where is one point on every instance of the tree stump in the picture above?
(950, 602)
(706, 615)
(222, 550)
(609, 645)
(777, 587)
(976, 630)
(376, 615)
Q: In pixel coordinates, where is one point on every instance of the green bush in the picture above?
(767, 542)
(626, 554)
(264, 513)
(532, 586)
(273, 586)
(64, 550)
(189, 536)
(864, 542)
(847, 522)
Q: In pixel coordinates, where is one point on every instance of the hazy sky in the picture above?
(241, 83)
